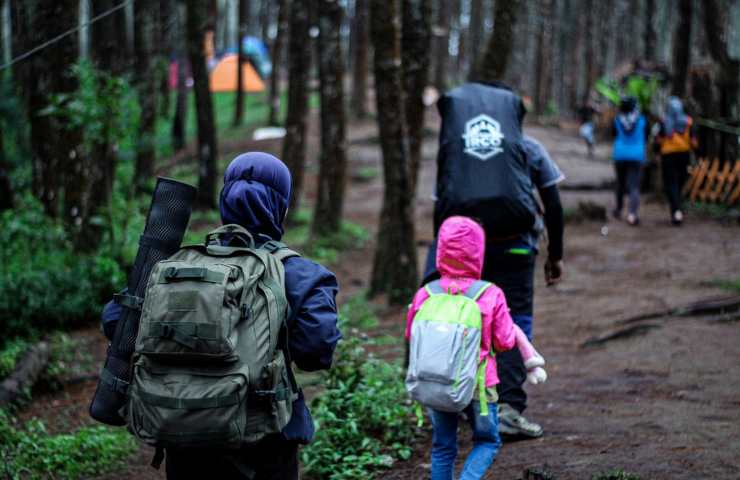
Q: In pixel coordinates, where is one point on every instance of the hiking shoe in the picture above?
(677, 218)
(513, 423)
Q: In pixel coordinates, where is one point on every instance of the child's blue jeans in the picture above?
(486, 442)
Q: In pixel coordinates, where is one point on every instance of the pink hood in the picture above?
(460, 249)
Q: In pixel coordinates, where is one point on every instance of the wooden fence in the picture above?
(708, 182)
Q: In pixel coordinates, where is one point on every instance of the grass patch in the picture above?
(717, 211)
(364, 419)
(366, 174)
(616, 474)
(731, 285)
(324, 249)
(30, 452)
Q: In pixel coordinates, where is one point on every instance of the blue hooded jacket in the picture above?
(255, 195)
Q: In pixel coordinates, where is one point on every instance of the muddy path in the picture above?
(664, 404)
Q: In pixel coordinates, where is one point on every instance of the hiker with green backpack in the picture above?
(222, 322)
(455, 325)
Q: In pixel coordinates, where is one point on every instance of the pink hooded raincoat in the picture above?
(460, 250)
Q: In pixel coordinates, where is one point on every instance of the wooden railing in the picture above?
(708, 182)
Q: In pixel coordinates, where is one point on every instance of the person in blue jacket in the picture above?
(630, 139)
(255, 195)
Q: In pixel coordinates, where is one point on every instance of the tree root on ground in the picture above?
(721, 310)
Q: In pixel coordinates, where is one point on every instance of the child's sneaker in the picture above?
(513, 423)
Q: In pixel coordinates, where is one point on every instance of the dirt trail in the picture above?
(665, 404)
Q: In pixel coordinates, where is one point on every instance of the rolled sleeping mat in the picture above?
(166, 223)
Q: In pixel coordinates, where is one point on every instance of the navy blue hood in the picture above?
(256, 193)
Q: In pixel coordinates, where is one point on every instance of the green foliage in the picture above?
(10, 354)
(357, 312)
(103, 107)
(616, 474)
(363, 418)
(44, 283)
(639, 86)
(30, 452)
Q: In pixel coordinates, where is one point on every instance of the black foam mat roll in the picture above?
(166, 223)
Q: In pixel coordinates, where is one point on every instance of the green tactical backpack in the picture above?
(211, 366)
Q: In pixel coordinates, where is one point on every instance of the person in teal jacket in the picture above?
(630, 139)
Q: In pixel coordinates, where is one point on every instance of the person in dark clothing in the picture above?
(630, 138)
(676, 140)
(255, 195)
(510, 264)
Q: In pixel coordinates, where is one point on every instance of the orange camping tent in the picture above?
(223, 76)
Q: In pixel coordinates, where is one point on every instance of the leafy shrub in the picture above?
(363, 418)
(29, 452)
(357, 312)
(44, 283)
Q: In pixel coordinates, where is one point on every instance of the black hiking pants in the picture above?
(270, 459)
(675, 167)
(628, 182)
(514, 274)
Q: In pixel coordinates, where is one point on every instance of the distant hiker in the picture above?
(586, 130)
(222, 323)
(630, 132)
(488, 170)
(676, 140)
(456, 326)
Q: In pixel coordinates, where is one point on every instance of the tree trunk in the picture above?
(167, 38)
(299, 64)
(277, 54)
(181, 102)
(207, 146)
(394, 266)
(650, 34)
(360, 63)
(415, 46)
(543, 73)
(55, 159)
(243, 28)
(20, 381)
(333, 164)
(682, 48)
(475, 33)
(715, 26)
(107, 35)
(492, 66)
(442, 44)
(147, 13)
(589, 54)
(6, 190)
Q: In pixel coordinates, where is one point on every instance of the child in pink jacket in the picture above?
(460, 251)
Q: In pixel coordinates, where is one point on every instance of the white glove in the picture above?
(535, 373)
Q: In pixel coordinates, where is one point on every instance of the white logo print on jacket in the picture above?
(483, 137)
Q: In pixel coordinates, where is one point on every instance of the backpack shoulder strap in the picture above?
(279, 250)
(434, 288)
(476, 289)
